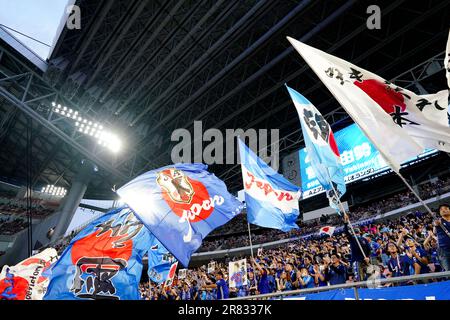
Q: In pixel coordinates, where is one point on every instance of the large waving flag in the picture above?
(400, 123)
(180, 204)
(271, 200)
(104, 261)
(27, 280)
(321, 148)
(160, 262)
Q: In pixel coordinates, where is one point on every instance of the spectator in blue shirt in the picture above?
(335, 271)
(399, 265)
(263, 283)
(305, 279)
(442, 230)
(221, 286)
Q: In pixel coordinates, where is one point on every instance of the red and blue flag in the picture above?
(180, 204)
(104, 261)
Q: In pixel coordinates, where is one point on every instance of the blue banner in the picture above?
(432, 291)
(271, 200)
(104, 261)
(180, 204)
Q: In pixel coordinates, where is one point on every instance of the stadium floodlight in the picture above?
(90, 127)
(110, 140)
(54, 191)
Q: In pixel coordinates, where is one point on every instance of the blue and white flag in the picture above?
(104, 261)
(321, 148)
(271, 200)
(160, 261)
(180, 204)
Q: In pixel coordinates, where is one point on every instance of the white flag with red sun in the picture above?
(400, 123)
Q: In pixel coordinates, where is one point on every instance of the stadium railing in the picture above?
(373, 283)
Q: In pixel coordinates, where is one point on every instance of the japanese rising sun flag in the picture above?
(400, 123)
(321, 148)
(329, 230)
(271, 200)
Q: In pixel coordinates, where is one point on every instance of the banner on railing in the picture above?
(431, 291)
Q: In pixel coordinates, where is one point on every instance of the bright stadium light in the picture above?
(54, 191)
(90, 128)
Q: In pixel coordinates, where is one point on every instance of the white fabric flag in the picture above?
(400, 123)
(447, 61)
(329, 230)
(29, 279)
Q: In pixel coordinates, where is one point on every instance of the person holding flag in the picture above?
(180, 204)
(271, 200)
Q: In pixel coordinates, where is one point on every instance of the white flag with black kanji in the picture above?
(400, 123)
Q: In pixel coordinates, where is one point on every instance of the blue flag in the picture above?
(104, 261)
(180, 204)
(271, 200)
(160, 262)
(321, 148)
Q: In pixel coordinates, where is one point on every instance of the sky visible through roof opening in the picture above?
(38, 19)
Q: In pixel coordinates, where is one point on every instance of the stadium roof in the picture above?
(146, 68)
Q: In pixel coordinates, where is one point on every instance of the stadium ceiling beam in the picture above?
(141, 50)
(122, 59)
(180, 44)
(281, 56)
(97, 23)
(262, 70)
(203, 59)
(105, 57)
(244, 55)
(229, 116)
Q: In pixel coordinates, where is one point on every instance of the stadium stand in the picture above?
(314, 262)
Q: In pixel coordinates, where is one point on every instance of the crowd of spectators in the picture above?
(426, 190)
(407, 245)
(13, 213)
(11, 226)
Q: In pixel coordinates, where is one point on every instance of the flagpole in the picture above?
(349, 222)
(408, 185)
(250, 238)
(415, 194)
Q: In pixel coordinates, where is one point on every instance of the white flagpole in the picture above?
(416, 194)
(408, 185)
(250, 238)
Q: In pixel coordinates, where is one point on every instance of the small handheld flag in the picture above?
(329, 230)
